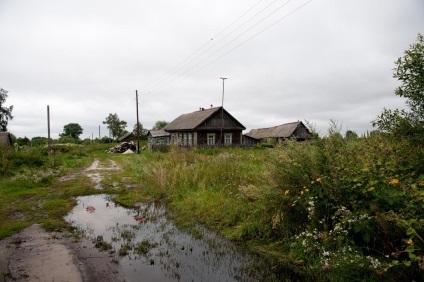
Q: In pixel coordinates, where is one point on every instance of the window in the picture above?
(185, 139)
(228, 139)
(211, 138)
(190, 139)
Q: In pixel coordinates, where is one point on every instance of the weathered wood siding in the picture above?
(216, 122)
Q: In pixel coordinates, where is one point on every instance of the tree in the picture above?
(115, 125)
(23, 141)
(160, 124)
(5, 112)
(351, 135)
(410, 73)
(38, 141)
(73, 130)
(143, 132)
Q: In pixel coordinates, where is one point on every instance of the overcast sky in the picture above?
(285, 60)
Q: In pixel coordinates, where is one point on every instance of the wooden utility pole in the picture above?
(221, 140)
(48, 129)
(99, 133)
(138, 124)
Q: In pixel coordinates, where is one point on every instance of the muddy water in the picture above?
(149, 247)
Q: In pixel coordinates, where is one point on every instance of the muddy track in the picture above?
(37, 255)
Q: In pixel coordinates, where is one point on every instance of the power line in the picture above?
(216, 51)
(236, 47)
(171, 72)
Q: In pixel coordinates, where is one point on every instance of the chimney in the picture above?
(211, 106)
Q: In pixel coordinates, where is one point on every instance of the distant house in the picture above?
(279, 133)
(5, 139)
(127, 137)
(158, 137)
(205, 127)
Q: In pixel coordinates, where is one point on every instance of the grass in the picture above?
(327, 209)
(31, 192)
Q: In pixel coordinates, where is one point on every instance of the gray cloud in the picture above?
(328, 60)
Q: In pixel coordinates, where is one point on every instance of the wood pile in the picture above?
(124, 146)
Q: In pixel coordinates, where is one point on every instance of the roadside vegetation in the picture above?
(30, 187)
(331, 208)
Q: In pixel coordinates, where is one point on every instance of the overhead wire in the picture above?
(168, 84)
(236, 47)
(171, 72)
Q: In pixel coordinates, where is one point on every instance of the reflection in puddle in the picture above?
(150, 247)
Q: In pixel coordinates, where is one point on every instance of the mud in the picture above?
(37, 255)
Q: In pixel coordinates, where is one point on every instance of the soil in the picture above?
(37, 255)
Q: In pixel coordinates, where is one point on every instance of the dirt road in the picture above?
(37, 255)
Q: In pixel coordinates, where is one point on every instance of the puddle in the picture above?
(149, 247)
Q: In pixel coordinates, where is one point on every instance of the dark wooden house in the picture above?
(205, 127)
(127, 137)
(158, 137)
(279, 133)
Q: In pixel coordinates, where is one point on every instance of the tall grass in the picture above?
(29, 188)
(344, 207)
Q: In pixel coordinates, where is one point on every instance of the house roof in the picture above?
(5, 138)
(126, 135)
(281, 131)
(193, 120)
(158, 133)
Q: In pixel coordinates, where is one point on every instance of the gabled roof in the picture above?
(192, 120)
(281, 131)
(126, 135)
(158, 133)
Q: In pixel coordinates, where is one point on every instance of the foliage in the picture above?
(341, 207)
(410, 73)
(73, 130)
(39, 141)
(115, 125)
(160, 124)
(68, 139)
(23, 141)
(350, 134)
(143, 132)
(5, 112)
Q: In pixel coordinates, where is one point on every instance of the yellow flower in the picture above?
(319, 179)
(301, 192)
(409, 242)
(370, 189)
(394, 181)
(421, 183)
(287, 191)
(312, 182)
(307, 190)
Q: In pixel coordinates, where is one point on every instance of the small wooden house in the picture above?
(127, 137)
(5, 139)
(279, 133)
(158, 137)
(205, 127)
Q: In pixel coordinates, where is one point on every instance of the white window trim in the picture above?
(230, 138)
(211, 135)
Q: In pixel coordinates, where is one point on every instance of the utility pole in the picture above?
(99, 133)
(138, 124)
(222, 110)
